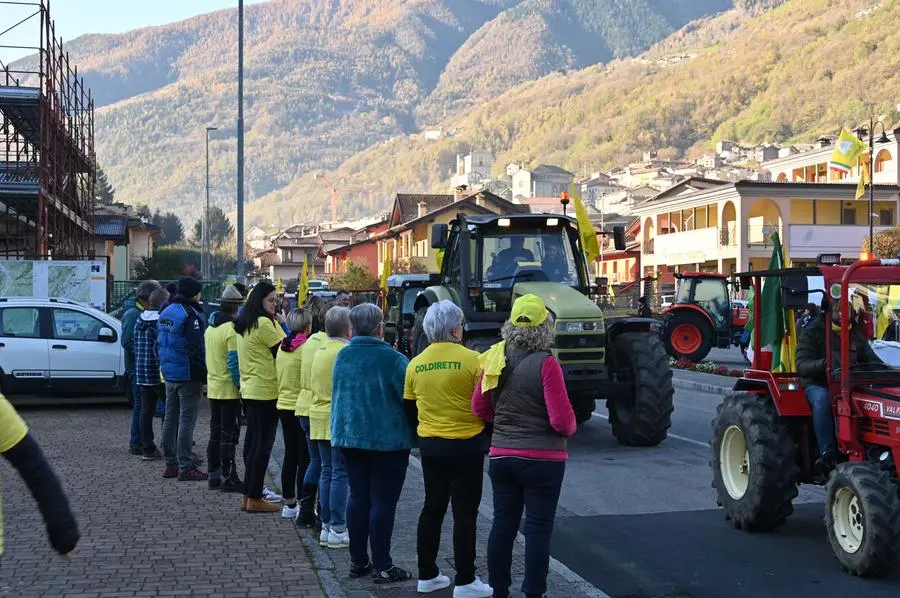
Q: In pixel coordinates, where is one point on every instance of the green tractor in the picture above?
(490, 260)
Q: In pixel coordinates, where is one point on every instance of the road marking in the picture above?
(581, 584)
(671, 435)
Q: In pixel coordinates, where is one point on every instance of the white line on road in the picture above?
(671, 435)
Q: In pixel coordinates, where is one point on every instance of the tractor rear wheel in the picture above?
(862, 515)
(420, 340)
(753, 462)
(687, 335)
(643, 417)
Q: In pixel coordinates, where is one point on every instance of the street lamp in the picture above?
(206, 254)
(862, 132)
(240, 146)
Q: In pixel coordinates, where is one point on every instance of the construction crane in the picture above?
(330, 185)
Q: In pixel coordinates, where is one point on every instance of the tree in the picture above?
(220, 229)
(887, 243)
(356, 277)
(104, 192)
(172, 228)
(410, 265)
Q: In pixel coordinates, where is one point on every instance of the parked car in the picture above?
(59, 347)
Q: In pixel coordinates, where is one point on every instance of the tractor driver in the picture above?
(555, 264)
(505, 262)
(811, 366)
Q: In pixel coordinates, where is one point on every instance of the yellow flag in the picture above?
(585, 229)
(612, 293)
(439, 258)
(385, 273)
(303, 287)
(846, 151)
(279, 286)
(864, 179)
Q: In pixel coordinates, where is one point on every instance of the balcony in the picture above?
(691, 246)
(762, 236)
(810, 240)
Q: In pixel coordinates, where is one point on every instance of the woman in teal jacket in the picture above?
(369, 424)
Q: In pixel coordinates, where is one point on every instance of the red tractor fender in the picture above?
(785, 389)
(690, 306)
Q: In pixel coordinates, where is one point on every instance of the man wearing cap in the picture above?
(133, 310)
(222, 388)
(182, 360)
(523, 394)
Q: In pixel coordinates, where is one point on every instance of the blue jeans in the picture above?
(823, 418)
(135, 390)
(533, 486)
(314, 469)
(332, 487)
(376, 480)
(182, 400)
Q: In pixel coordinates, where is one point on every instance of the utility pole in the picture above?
(240, 146)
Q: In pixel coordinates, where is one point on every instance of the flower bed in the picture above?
(706, 367)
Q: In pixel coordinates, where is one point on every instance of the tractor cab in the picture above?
(764, 437)
(701, 317)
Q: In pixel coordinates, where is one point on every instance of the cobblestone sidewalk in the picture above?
(333, 565)
(141, 535)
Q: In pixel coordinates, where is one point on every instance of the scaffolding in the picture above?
(47, 164)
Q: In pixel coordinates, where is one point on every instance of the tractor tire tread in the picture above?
(654, 394)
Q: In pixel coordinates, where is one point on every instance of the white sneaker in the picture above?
(426, 586)
(290, 512)
(270, 495)
(323, 536)
(338, 540)
(476, 589)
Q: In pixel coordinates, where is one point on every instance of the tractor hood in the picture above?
(565, 302)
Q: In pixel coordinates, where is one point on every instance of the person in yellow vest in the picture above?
(223, 389)
(317, 307)
(258, 338)
(453, 442)
(288, 365)
(20, 448)
(333, 490)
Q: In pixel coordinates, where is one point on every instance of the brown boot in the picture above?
(243, 503)
(259, 505)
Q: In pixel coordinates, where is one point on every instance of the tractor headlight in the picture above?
(595, 326)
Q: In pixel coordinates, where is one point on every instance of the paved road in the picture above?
(643, 523)
(141, 535)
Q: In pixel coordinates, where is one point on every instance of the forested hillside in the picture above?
(327, 79)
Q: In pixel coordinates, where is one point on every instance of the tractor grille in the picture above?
(565, 356)
(579, 341)
(875, 426)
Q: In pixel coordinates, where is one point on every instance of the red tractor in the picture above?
(763, 443)
(702, 317)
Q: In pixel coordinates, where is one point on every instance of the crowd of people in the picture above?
(351, 409)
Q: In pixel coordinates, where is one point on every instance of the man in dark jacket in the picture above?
(182, 361)
(133, 309)
(146, 358)
(812, 362)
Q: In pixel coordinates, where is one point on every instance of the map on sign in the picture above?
(72, 281)
(16, 279)
(81, 281)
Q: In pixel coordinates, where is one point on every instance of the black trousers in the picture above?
(457, 481)
(224, 435)
(262, 423)
(149, 396)
(296, 456)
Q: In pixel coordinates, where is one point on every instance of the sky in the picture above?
(77, 17)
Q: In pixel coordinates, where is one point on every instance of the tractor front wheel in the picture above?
(687, 335)
(862, 515)
(753, 462)
(643, 416)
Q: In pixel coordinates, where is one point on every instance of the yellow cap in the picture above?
(528, 311)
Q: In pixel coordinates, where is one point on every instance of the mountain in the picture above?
(787, 74)
(326, 80)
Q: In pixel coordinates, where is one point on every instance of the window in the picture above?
(73, 325)
(20, 322)
(881, 159)
(848, 216)
(886, 217)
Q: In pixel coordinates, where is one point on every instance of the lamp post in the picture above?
(240, 146)
(206, 255)
(861, 132)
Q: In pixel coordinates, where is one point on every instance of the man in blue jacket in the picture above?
(133, 309)
(182, 361)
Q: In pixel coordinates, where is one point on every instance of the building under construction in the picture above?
(47, 162)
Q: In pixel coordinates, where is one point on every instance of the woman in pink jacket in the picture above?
(523, 394)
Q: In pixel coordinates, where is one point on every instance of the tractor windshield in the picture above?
(875, 316)
(528, 255)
